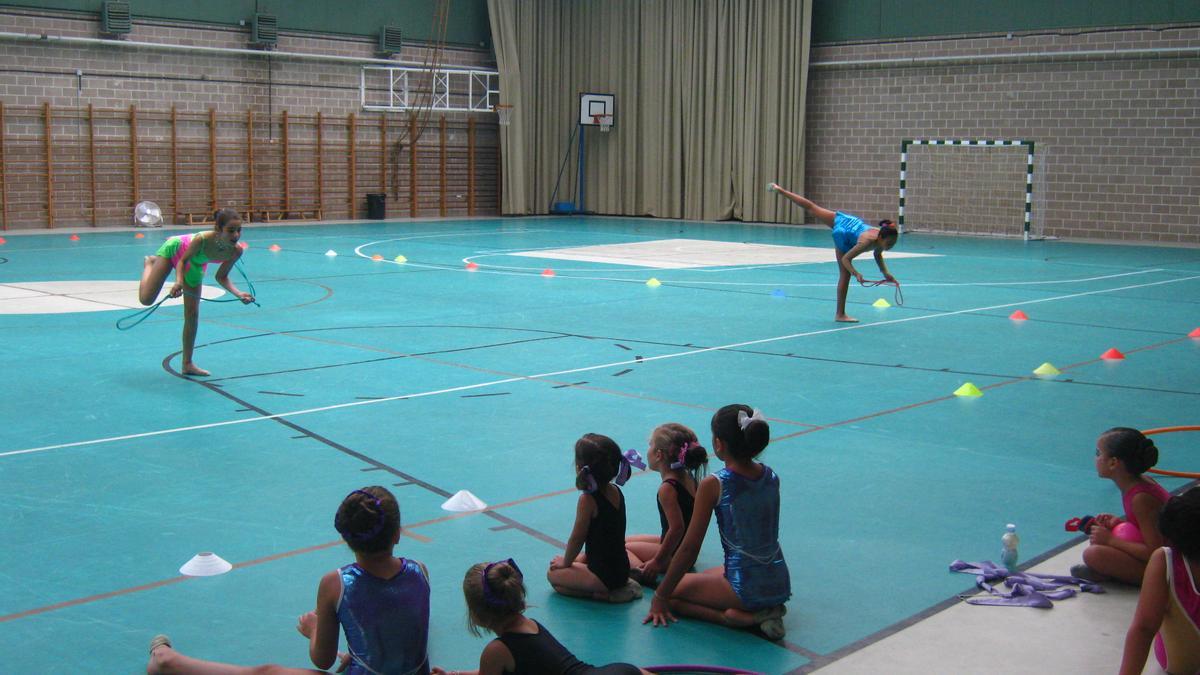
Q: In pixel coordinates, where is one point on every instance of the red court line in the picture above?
(309, 549)
(271, 558)
(1005, 383)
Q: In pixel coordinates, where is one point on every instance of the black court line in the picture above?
(371, 461)
(573, 384)
(618, 374)
(300, 436)
(381, 359)
(495, 393)
(280, 393)
(557, 335)
(369, 398)
(936, 310)
(623, 347)
(823, 660)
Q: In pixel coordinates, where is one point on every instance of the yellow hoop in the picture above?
(1167, 430)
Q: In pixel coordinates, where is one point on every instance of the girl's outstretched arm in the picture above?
(1148, 617)
(223, 278)
(887, 276)
(847, 259)
(706, 500)
(321, 626)
(585, 508)
(669, 500)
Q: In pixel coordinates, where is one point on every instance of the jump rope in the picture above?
(898, 296)
(143, 314)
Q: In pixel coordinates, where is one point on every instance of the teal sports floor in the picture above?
(430, 378)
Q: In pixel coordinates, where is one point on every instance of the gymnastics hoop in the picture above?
(1167, 430)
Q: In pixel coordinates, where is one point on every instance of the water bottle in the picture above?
(1009, 543)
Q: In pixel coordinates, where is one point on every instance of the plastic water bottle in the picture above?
(1008, 547)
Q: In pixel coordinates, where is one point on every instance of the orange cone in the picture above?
(471, 267)
(74, 237)
(139, 235)
(376, 257)
(547, 272)
(1019, 316)
(274, 247)
(243, 245)
(5, 241)
(1112, 355)
(1194, 334)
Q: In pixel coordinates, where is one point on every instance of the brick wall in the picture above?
(1117, 138)
(96, 146)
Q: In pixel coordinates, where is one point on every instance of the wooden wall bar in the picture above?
(62, 165)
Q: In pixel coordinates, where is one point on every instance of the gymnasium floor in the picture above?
(430, 378)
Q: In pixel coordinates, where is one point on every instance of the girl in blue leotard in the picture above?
(851, 237)
(751, 587)
(379, 601)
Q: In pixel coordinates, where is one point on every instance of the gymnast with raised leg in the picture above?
(851, 237)
(189, 255)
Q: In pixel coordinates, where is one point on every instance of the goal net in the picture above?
(979, 187)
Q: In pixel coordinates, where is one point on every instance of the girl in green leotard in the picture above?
(188, 255)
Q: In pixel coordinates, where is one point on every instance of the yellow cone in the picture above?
(968, 389)
(881, 303)
(400, 259)
(1047, 368)
(653, 283)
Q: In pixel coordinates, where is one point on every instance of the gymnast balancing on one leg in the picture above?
(189, 255)
(851, 237)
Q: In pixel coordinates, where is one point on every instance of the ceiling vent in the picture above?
(264, 32)
(115, 19)
(389, 40)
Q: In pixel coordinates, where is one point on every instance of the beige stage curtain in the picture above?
(710, 98)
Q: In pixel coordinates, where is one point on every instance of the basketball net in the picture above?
(504, 112)
(604, 122)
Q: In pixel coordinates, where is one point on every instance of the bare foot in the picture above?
(845, 318)
(191, 369)
(161, 654)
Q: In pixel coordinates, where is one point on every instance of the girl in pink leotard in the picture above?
(1168, 610)
(1122, 456)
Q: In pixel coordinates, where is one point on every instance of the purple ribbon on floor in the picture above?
(1027, 589)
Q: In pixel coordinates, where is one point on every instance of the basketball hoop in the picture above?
(605, 122)
(504, 112)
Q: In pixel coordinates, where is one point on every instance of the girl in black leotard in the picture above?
(676, 454)
(602, 572)
(495, 594)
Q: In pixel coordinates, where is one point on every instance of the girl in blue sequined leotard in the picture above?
(380, 601)
(750, 589)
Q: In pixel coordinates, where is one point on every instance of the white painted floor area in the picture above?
(1084, 635)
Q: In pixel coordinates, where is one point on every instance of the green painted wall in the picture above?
(468, 23)
(842, 20)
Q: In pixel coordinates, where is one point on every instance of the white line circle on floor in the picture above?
(80, 295)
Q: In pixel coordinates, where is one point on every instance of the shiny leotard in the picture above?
(748, 520)
(386, 621)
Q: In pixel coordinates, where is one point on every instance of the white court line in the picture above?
(857, 326)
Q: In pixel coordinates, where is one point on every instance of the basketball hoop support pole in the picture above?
(579, 206)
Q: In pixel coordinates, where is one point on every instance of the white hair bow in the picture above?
(744, 420)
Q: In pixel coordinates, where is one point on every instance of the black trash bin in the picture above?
(377, 205)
